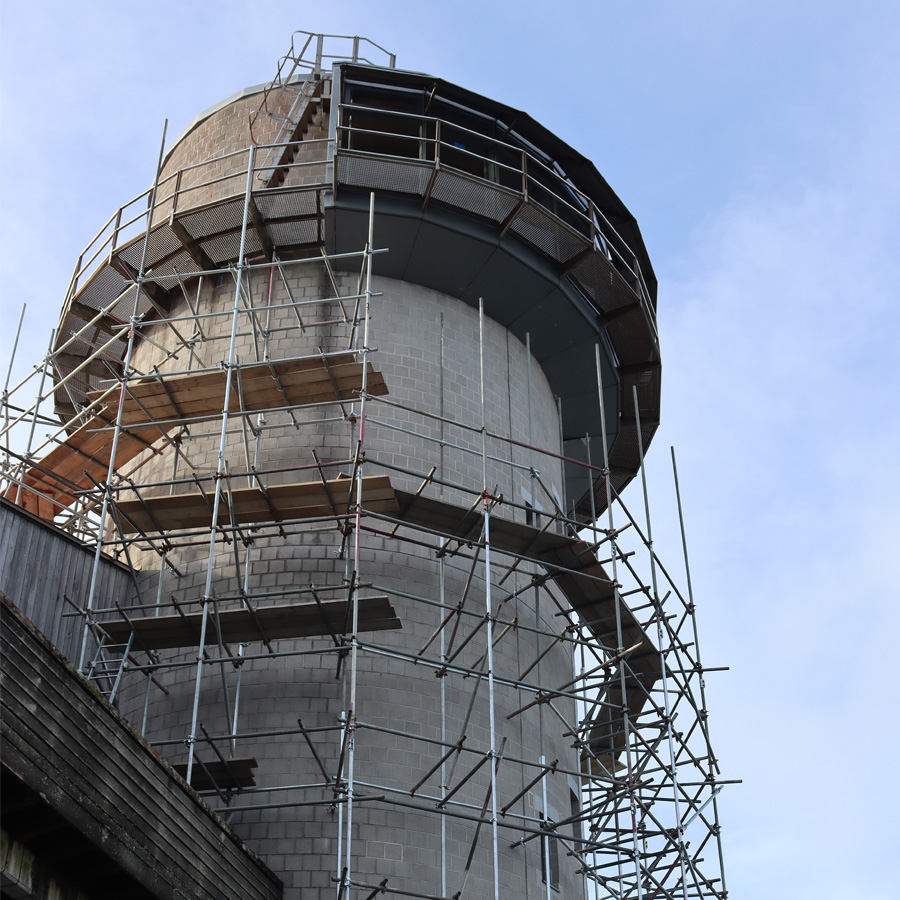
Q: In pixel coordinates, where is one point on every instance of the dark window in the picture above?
(575, 804)
(385, 121)
(554, 860)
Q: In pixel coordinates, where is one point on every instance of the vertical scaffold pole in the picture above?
(488, 611)
(673, 774)
(12, 359)
(126, 365)
(587, 450)
(704, 724)
(357, 550)
(545, 837)
(638, 865)
(220, 465)
(443, 644)
(35, 413)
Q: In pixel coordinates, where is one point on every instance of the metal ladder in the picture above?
(110, 661)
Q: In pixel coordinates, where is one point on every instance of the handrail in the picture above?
(313, 66)
(536, 178)
(594, 219)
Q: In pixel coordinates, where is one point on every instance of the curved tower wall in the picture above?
(403, 702)
(408, 325)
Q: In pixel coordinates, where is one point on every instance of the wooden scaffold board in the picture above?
(279, 503)
(261, 386)
(231, 775)
(69, 467)
(155, 406)
(285, 621)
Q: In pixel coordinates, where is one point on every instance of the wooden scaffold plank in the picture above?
(155, 406)
(202, 394)
(280, 502)
(80, 460)
(285, 621)
(230, 775)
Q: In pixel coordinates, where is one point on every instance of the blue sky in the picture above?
(757, 145)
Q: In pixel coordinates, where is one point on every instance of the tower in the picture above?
(350, 389)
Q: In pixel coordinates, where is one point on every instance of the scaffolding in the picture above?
(633, 707)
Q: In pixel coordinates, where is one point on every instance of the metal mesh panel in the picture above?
(223, 248)
(626, 450)
(383, 173)
(70, 325)
(103, 288)
(631, 338)
(474, 195)
(279, 205)
(647, 383)
(253, 244)
(547, 233)
(182, 261)
(289, 234)
(162, 243)
(79, 386)
(214, 219)
(601, 283)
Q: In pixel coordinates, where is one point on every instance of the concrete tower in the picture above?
(380, 348)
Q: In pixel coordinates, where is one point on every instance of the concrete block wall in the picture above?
(213, 156)
(388, 839)
(300, 843)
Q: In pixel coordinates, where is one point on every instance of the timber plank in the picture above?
(233, 774)
(202, 394)
(296, 620)
(304, 500)
(171, 398)
(85, 450)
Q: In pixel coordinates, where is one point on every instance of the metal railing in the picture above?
(427, 139)
(308, 53)
(401, 138)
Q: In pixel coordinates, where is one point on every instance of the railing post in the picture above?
(177, 189)
(73, 288)
(115, 235)
(319, 41)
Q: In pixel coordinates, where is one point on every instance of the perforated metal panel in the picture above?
(632, 339)
(103, 288)
(280, 204)
(290, 234)
(647, 383)
(213, 220)
(626, 450)
(224, 248)
(546, 233)
(162, 243)
(384, 173)
(182, 262)
(604, 286)
(481, 198)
